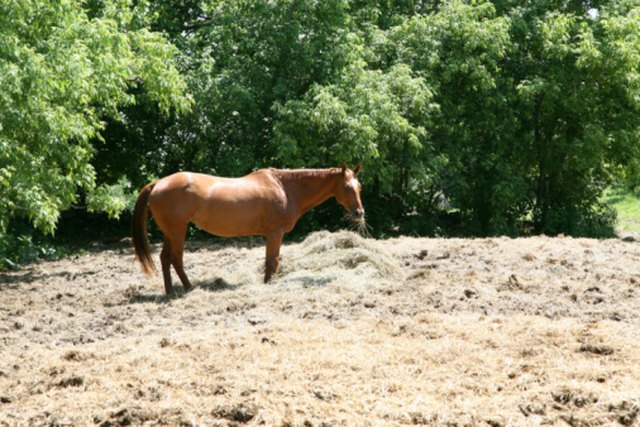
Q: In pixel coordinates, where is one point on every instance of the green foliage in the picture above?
(255, 56)
(581, 112)
(372, 116)
(378, 118)
(63, 72)
(470, 117)
(19, 247)
(460, 50)
(112, 199)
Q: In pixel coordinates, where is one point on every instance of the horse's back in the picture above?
(250, 205)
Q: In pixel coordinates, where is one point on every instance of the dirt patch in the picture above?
(351, 331)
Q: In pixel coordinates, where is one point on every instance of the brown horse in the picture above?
(267, 202)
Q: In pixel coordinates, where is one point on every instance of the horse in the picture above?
(267, 202)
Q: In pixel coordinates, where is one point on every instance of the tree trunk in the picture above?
(541, 210)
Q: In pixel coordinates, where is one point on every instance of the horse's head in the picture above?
(348, 194)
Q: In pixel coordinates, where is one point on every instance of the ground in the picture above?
(352, 331)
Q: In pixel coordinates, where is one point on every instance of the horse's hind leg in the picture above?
(165, 260)
(176, 249)
(176, 260)
(172, 251)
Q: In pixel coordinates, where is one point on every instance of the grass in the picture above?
(627, 206)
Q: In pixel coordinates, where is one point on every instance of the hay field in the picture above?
(352, 331)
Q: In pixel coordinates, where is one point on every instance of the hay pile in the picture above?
(343, 258)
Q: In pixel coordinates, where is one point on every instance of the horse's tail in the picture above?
(139, 230)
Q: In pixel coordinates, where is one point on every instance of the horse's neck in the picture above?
(308, 191)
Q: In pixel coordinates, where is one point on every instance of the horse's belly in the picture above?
(239, 207)
(234, 219)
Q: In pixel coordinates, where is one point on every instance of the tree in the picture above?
(379, 118)
(65, 66)
(538, 108)
(250, 56)
(471, 117)
(459, 49)
(516, 114)
(578, 107)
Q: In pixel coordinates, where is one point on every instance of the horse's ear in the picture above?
(356, 169)
(344, 167)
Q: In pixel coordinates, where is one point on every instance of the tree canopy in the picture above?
(470, 117)
(65, 68)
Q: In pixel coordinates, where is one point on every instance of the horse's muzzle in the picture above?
(358, 213)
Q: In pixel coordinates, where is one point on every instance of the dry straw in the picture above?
(343, 257)
(352, 331)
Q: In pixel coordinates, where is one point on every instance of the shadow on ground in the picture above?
(217, 285)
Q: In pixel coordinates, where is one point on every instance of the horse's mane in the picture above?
(303, 173)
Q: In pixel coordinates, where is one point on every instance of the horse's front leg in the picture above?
(274, 241)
